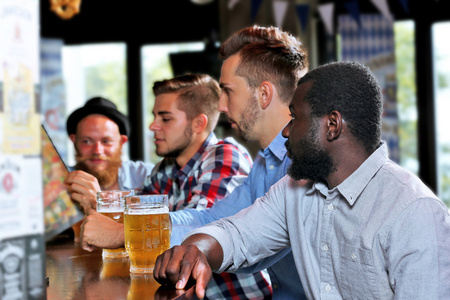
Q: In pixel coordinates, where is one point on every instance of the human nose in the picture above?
(285, 131)
(154, 126)
(223, 103)
(98, 147)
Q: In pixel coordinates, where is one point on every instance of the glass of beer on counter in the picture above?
(147, 230)
(111, 204)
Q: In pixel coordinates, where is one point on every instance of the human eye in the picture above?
(86, 141)
(107, 141)
(226, 91)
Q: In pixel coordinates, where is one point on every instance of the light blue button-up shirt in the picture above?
(269, 166)
(132, 174)
(380, 234)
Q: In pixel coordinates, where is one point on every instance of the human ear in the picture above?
(72, 137)
(334, 125)
(200, 123)
(266, 93)
(123, 139)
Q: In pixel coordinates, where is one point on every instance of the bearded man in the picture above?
(98, 132)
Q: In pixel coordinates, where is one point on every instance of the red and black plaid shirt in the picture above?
(212, 173)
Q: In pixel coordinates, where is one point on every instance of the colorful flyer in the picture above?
(60, 212)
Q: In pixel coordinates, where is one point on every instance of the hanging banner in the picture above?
(303, 13)
(255, 8)
(326, 12)
(353, 8)
(279, 9)
(373, 45)
(383, 7)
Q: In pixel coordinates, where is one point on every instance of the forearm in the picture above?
(100, 231)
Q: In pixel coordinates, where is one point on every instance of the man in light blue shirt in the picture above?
(359, 225)
(258, 79)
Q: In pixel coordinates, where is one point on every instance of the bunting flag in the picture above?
(326, 12)
(232, 3)
(353, 8)
(279, 8)
(405, 5)
(303, 12)
(255, 7)
(383, 8)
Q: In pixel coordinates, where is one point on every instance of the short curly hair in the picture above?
(351, 89)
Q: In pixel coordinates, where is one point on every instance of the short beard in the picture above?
(106, 178)
(248, 119)
(180, 147)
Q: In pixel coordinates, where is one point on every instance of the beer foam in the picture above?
(147, 211)
(109, 209)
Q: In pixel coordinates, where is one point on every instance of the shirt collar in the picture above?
(353, 186)
(277, 147)
(210, 140)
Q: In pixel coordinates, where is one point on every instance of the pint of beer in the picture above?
(147, 230)
(111, 204)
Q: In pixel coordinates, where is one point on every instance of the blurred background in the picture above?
(118, 49)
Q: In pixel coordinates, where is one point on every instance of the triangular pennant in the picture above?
(279, 8)
(326, 12)
(303, 12)
(232, 3)
(405, 5)
(383, 8)
(353, 8)
(255, 7)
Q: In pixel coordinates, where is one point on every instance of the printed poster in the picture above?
(19, 73)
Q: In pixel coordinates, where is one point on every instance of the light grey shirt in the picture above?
(380, 234)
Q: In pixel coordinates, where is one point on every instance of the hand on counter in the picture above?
(99, 231)
(193, 260)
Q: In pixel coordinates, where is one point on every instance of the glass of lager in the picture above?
(111, 204)
(147, 230)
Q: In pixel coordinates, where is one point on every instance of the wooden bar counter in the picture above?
(74, 273)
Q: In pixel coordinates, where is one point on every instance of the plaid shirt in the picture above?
(212, 173)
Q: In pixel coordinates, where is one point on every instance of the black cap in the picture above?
(102, 106)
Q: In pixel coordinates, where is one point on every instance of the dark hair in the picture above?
(268, 53)
(351, 89)
(198, 94)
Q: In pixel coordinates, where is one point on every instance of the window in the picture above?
(156, 66)
(406, 94)
(94, 70)
(441, 79)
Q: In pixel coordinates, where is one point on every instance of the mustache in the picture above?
(288, 146)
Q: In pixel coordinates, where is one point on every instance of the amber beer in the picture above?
(147, 230)
(111, 204)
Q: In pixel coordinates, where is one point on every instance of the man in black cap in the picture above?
(98, 132)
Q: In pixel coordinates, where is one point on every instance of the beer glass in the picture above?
(111, 204)
(147, 230)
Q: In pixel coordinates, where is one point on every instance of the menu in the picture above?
(60, 213)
